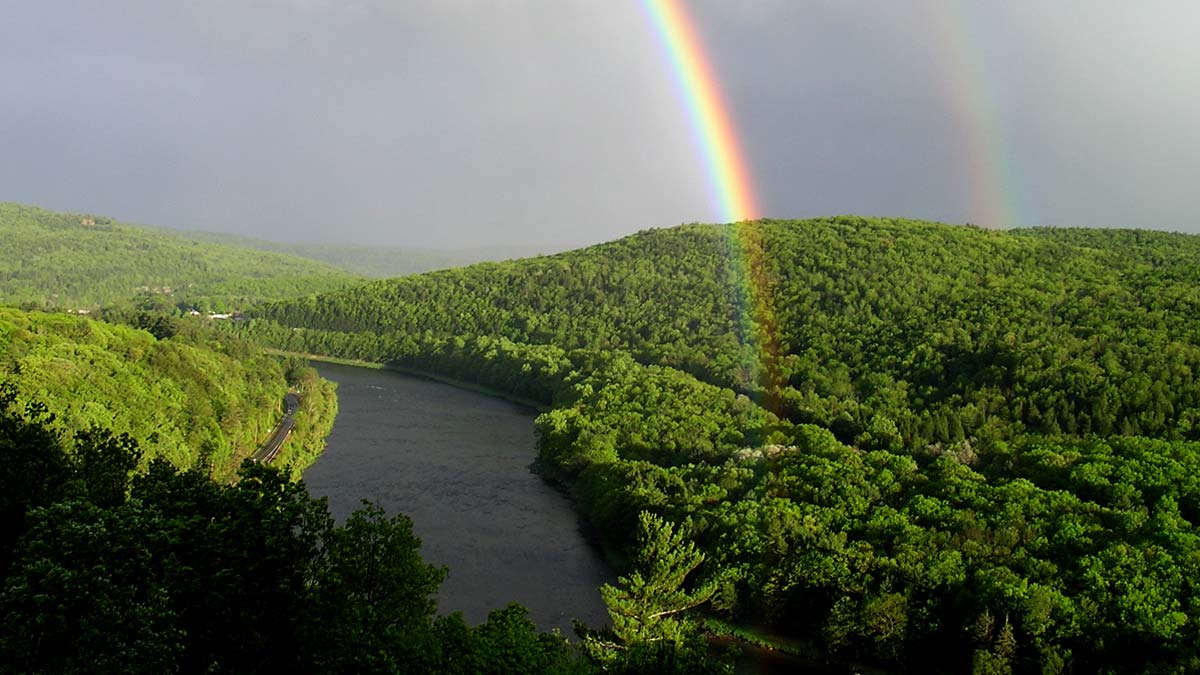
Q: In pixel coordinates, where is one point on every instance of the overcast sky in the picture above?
(461, 122)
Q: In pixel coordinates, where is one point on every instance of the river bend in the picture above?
(457, 462)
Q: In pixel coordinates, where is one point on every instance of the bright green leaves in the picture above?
(652, 607)
(191, 399)
(650, 603)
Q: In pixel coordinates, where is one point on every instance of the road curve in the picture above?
(270, 449)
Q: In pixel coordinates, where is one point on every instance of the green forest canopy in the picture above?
(967, 450)
(189, 400)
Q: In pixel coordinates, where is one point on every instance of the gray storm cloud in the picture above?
(451, 123)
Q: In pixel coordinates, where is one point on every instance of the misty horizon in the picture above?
(445, 126)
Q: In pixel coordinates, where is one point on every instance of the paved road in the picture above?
(267, 452)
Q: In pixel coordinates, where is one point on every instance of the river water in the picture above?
(457, 463)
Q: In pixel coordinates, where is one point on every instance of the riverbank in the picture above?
(719, 628)
(417, 372)
(766, 653)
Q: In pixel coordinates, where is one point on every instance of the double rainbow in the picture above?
(995, 199)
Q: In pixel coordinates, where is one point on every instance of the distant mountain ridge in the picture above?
(377, 261)
(73, 261)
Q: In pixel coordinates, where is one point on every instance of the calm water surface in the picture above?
(457, 463)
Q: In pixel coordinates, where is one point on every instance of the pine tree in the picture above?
(648, 604)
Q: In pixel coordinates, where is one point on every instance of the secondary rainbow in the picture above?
(969, 93)
(731, 180)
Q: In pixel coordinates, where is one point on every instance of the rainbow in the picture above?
(749, 279)
(996, 198)
(731, 180)
(988, 168)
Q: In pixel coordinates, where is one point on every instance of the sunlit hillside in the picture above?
(190, 400)
(79, 261)
(942, 448)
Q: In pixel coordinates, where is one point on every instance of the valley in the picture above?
(871, 435)
(660, 337)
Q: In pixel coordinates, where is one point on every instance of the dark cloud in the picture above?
(446, 122)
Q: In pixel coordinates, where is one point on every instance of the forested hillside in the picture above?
(73, 261)
(941, 448)
(943, 332)
(192, 401)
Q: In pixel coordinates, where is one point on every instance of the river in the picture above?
(457, 463)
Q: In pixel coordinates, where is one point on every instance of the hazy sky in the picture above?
(455, 122)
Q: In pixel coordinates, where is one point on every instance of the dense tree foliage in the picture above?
(942, 448)
(72, 261)
(170, 571)
(944, 332)
(189, 399)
